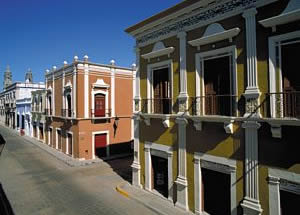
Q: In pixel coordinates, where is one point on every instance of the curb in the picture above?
(122, 191)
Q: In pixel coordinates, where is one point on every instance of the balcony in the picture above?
(69, 113)
(282, 105)
(157, 106)
(214, 105)
(98, 114)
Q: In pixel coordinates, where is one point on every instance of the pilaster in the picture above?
(181, 181)
(86, 88)
(74, 91)
(252, 92)
(137, 96)
(136, 166)
(251, 204)
(183, 95)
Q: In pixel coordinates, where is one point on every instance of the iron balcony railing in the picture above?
(48, 112)
(282, 105)
(221, 105)
(157, 105)
(99, 114)
(67, 113)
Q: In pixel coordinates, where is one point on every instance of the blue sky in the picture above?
(38, 34)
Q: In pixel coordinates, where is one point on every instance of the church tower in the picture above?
(28, 76)
(7, 78)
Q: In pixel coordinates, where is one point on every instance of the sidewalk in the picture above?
(154, 202)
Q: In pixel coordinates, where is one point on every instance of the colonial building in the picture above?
(38, 114)
(89, 109)
(15, 102)
(217, 106)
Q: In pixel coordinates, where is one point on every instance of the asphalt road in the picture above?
(35, 182)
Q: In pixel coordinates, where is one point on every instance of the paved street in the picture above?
(35, 182)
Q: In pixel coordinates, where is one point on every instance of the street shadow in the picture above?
(122, 166)
(5, 207)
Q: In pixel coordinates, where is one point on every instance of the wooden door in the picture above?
(161, 91)
(99, 105)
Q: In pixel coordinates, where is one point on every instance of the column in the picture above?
(274, 195)
(250, 204)
(148, 166)
(113, 71)
(86, 87)
(136, 166)
(252, 92)
(74, 91)
(137, 96)
(181, 181)
(53, 90)
(183, 95)
(64, 106)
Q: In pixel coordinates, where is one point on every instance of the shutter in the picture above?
(99, 106)
(100, 140)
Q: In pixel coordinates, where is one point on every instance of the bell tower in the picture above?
(7, 78)
(28, 76)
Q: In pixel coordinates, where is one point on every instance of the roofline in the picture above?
(177, 7)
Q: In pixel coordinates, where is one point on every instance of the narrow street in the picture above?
(37, 183)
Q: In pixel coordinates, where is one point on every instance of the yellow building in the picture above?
(217, 106)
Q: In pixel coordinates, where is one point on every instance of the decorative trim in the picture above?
(281, 180)
(199, 16)
(161, 151)
(105, 93)
(215, 163)
(290, 14)
(100, 84)
(67, 143)
(68, 85)
(214, 33)
(159, 50)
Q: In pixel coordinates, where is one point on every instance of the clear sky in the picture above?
(39, 34)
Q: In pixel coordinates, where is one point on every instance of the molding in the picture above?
(198, 124)
(100, 84)
(105, 93)
(214, 33)
(194, 16)
(290, 14)
(67, 143)
(276, 131)
(68, 85)
(166, 122)
(215, 163)
(159, 50)
(161, 151)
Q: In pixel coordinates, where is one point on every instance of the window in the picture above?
(99, 110)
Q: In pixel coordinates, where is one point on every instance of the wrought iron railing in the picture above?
(221, 105)
(67, 113)
(282, 105)
(157, 105)
(99, 114)
(48, 112)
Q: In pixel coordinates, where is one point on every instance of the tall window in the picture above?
(99, 105)
(50, 105)
(69, 105)
(161, 101)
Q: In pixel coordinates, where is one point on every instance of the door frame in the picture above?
(217, 53)
(163, 151)
(218, 164)
(67, 143)
(107, 142)
(56, 137)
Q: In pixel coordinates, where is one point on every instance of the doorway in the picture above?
(70, 144)
(59, 139)
(215, 192)
(101, 145)
(160, 175)
(289, 202)
(217, 84)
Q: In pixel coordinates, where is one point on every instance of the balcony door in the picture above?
(99, 105)
(161, 91)
(217, 86)
(290, 79)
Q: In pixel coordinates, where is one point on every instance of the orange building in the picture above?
(89, 109)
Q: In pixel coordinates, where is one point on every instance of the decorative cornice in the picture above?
(214, 33)
(100, 83)
(202, 14)
(290, 14)
(159, 50)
